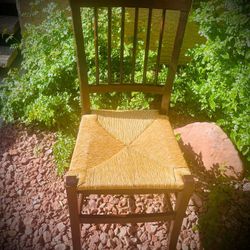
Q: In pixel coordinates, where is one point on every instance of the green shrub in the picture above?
(62, 151)
(45, 90)
(216, 81)
(224, 223)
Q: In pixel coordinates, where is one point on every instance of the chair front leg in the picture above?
(71, 189)
(180, 210)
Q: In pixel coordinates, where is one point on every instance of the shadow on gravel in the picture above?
(8, 138)
(224, 220)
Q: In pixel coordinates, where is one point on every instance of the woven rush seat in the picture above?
(127, 150)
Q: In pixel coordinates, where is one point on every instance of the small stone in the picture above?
(60, 247)
(184, 246)
(57, 238)
(178, 247)
(192, 217)
(157, 245)
(95, 238)
(128, 241)
(105, 228)
(103, 238)
(61, 227)
(164, 242)
(47, 236)
(145, 246)
(65, 239)
(13, 152)
(185, 222)
(93, 204)
(12, 233)
(193, 244)
(28, 230)
(123, 232)
(151, 228)
(20, 192)
(143, 237)
(37, 206)
(150, 210)
(28, 221)
(246, 187)
(48, 152)
(25, 161)
(110, 243)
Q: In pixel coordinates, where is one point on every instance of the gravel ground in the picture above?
(34, 212)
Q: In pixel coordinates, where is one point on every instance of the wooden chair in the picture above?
(127, 152)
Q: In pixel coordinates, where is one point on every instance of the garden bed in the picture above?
(34, 213)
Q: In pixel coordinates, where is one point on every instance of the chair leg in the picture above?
(71, 189)
(180, 209)
(131, 203)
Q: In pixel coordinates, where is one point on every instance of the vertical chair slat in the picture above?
(147, 46)
(109, 43)
(134, 44)
(122, 44)
(81, 58)
(173, 64)
(160, 44)
(96, 44)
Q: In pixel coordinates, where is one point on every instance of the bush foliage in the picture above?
(45, 89)
(216, 81)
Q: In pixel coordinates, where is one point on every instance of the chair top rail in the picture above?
(181, 5)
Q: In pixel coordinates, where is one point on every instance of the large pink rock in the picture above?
(208, 144)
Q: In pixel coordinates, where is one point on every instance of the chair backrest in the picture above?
(164, 90)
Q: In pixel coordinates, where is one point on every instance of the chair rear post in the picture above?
(81, 57)
(162, 25)
(173, 63)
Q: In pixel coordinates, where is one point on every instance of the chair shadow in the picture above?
(224, 220)
(7, 136)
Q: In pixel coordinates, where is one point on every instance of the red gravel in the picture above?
(33, 206)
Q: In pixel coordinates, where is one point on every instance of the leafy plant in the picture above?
(62, 150)
(45, 90)
(224, 224)
(216, 81)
